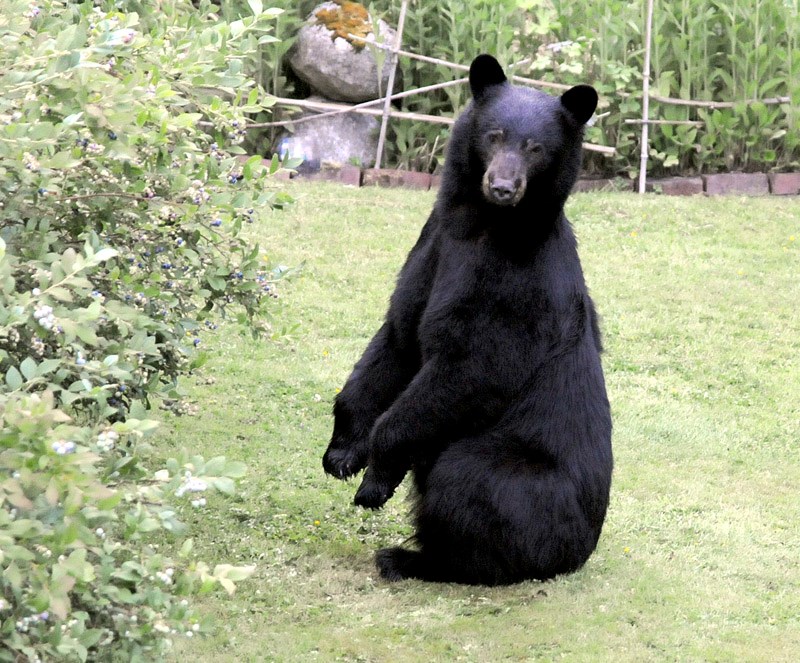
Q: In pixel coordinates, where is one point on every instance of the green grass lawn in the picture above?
(700, 555)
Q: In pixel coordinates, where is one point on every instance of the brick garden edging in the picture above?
(749, 184)
(784, 184)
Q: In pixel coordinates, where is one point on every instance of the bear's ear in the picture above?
(581, 102)
(484, 72)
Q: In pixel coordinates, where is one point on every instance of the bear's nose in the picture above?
(503, 190)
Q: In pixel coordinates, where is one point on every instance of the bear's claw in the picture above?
(372, 495)
(343, 463)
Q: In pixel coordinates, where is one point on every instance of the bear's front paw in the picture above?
(344, 463)
(372, 495)
(376, 489)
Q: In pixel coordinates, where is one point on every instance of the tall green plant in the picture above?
(703, 50)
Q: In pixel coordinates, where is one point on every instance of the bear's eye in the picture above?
(495, 136)
(533, 147)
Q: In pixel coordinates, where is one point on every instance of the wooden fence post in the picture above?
(646, 99)
(390, 87)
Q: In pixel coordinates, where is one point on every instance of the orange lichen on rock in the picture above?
(349, 18)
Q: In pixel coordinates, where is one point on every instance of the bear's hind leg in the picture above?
(496, 514)
(401, 564)
(398, 563)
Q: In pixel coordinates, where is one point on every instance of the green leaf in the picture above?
(62, 161)
(130, 572)
(235, 469)
(28, 368)
(13, 378)
(47, 366)
(138, 410)
(12, 575)
(216, 283)
(141, 425)
(91, 637)
(108, 503)
(72, 119)
(256, 6)
(224, 485)
(105, 254)
(25, 528)
(59, 293)
(148, 525)
(72, 37)
(235, 573)
(188, 120)
(199, 360)
(18, 553)
(274, 165)
(237, 27)
(87, 335)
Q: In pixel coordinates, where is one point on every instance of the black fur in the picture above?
(485, 378)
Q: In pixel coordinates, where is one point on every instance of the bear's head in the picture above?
(522, 141)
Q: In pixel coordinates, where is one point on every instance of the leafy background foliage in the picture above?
(123, 192)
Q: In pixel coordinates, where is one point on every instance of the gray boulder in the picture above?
(333, 67)
(335, 140)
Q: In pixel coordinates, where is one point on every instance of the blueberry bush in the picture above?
(124, 194)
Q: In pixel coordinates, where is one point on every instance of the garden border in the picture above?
(752, 184)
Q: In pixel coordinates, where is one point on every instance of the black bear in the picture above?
(485, 378)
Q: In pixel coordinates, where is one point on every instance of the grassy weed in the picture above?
(699, 557)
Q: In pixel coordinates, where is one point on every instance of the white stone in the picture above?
(336, 140)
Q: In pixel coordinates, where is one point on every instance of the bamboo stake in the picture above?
(602, 149)
(341, 108)
(390, 87)
(346, 109)
(646, 98)
(770, 101)
(413, 56)
(460, 67)
(538, 83)
(672, 101)
(403, 115)
(692, 123)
